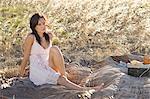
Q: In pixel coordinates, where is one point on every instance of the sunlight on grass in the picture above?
(88, 29)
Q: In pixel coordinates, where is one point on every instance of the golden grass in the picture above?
(85, 29)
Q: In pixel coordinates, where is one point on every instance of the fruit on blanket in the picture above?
(146, 59)
(135, 62)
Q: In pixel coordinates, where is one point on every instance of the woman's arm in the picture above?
(26, 53)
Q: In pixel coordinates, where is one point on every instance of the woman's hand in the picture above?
(21, 72)
(24, 72)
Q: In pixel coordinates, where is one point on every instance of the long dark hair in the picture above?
(33, 22)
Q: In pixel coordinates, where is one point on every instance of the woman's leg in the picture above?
(56, 60)
(62, 80)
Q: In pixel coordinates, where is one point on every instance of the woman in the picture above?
(46, 61)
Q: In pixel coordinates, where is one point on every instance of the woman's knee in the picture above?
(62, 80)
(54, 49)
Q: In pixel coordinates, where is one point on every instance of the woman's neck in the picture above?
(41, 34)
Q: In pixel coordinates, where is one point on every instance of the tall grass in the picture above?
(85, 29)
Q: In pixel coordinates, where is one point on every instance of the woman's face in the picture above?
(41, 26)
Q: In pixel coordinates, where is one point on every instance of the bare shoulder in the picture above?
(30, 37)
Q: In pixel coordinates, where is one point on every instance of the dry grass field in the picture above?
(84, 29)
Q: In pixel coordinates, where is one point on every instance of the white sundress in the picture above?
(40, 72)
